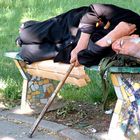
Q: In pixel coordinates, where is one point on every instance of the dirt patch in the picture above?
(86, 118)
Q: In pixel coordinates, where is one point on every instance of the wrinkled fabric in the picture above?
(56, 37)
(93, 54)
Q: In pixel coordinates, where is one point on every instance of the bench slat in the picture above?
(59, 76)
(60, 68)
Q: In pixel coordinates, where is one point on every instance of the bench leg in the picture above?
(35, 91)
(125, 120)
(24, 104)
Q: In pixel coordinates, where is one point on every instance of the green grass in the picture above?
(13, 13)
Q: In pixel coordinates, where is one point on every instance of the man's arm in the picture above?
(87, 26)
(95, 14)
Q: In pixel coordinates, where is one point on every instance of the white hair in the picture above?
(135, 40)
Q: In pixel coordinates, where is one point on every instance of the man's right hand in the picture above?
(124, 29)
(81, 45)
(74, 54)
(121, 30)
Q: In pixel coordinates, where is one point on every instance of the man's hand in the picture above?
(74, 53)
(81, 45)
(122, 29)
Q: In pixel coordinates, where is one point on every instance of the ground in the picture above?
(87, 118)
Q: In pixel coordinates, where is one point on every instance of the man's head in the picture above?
(128, 45)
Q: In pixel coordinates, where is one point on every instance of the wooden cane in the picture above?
(61, 83)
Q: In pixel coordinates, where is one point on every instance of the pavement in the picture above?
(15, 125)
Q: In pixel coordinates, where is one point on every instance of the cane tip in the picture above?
(29, 135)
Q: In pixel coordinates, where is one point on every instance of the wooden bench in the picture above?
(46, 69)
(126, 82)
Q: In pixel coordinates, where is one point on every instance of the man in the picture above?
(78, 28)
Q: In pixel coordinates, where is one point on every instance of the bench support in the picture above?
(24, 104)
(35, 90)
(125, 119)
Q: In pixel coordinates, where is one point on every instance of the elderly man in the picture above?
(80, 30)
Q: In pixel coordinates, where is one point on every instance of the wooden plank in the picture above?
(57, 76)
(51, 73)
(49, 65)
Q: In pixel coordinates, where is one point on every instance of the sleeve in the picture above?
(92, 16)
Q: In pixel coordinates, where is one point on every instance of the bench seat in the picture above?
(49, 69)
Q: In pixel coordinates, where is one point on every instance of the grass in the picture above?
(13, 13)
